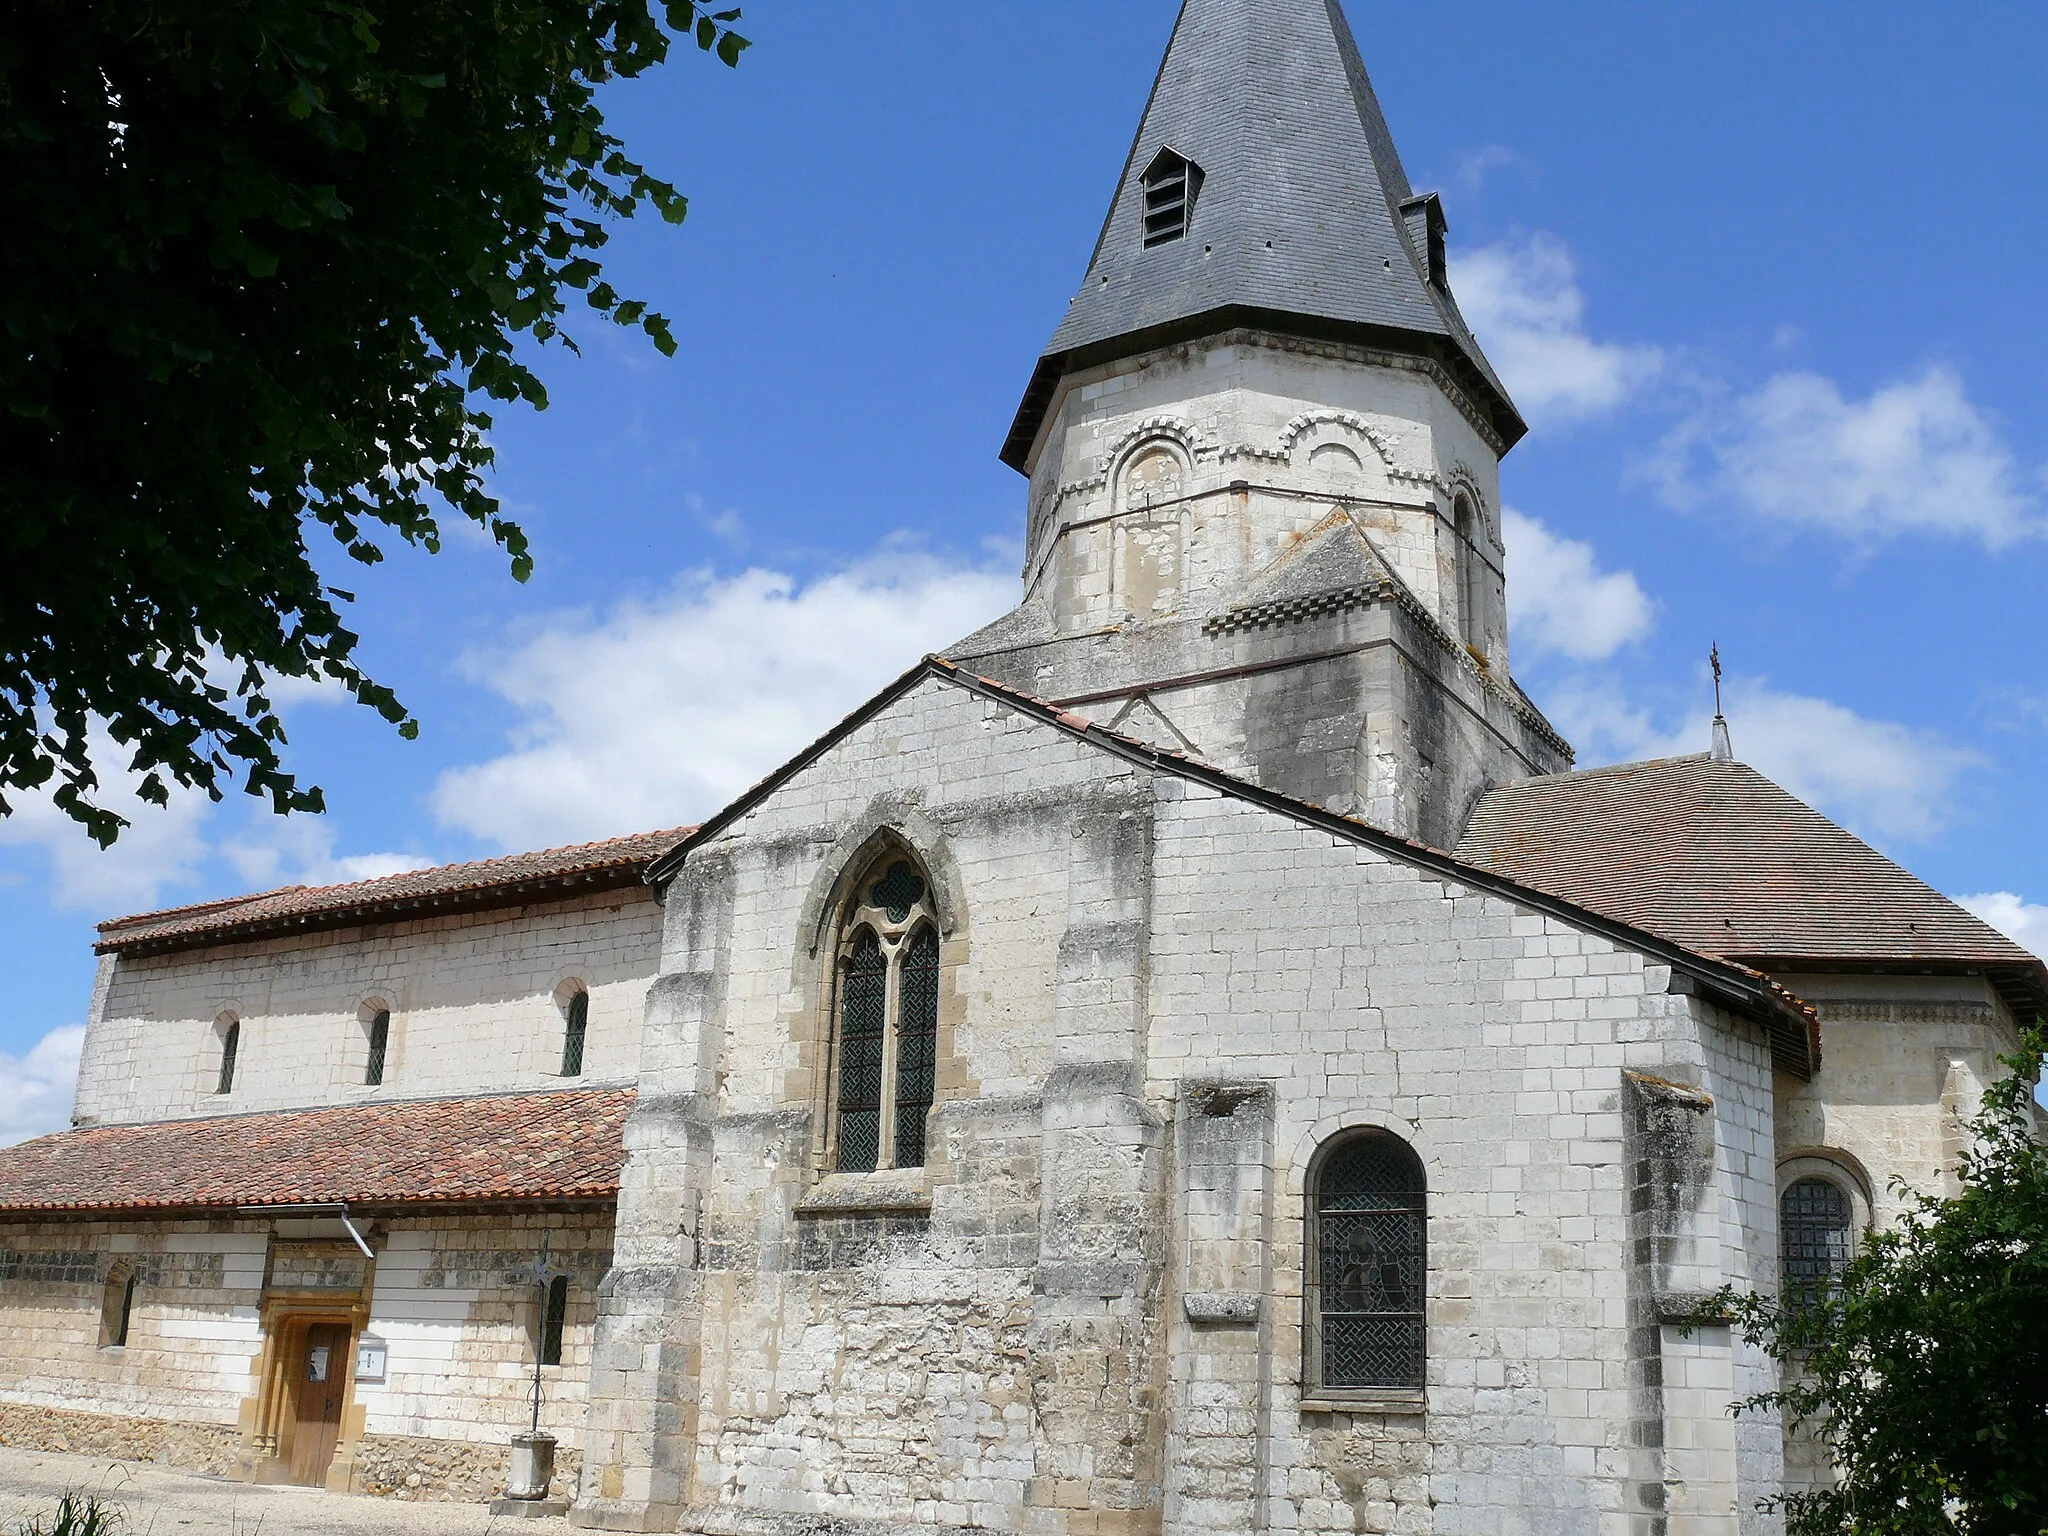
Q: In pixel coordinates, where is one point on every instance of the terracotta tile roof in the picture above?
(1714, 856)
(616, 861)
(523, 1146)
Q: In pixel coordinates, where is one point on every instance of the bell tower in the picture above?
(1264, 452)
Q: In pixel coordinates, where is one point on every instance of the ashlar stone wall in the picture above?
(451, 1298)
(1085, 1314)
(476, 1002)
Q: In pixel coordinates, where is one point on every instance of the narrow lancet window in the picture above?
(552, 1320)
(864, 989)
(886, 1055)
(576, 1025)
(230, 1044)
(117, 1309)
(380, 1040)
(1171, 184)
(917, 1041)
(1367, 1247)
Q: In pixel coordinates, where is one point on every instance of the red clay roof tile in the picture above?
(482, 882)
(565, 1145)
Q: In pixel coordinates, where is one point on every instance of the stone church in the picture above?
(1197, 1056)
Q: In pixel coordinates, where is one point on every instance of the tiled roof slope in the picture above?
(448, 887)
(1301, 217)
(508, 1147)
(1714, 856)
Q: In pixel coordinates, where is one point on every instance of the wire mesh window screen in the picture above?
(1815, 1233)
(380, 1038)
(230, 1046)
(576, 1026)
(1369, 1246)
(917, 1040)
(864, 995)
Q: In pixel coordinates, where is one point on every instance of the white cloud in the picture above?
(1524, 304)
(2024, 922)
(169, 852)
(299, 850)
(1879, 778)
(1912, 457)
(161, 846)
(659, 712)
(36, 1089)
(1559, 600)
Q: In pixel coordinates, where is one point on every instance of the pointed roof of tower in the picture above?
(1303, 219)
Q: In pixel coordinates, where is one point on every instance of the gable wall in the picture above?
(1004, 1339)
(472, 1010)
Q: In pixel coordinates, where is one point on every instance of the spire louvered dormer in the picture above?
(1263, 450)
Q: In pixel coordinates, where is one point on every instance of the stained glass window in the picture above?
(917, 1041)
(1815, 1231)
(1369, 1250)
(863, 1008)
(897, 891)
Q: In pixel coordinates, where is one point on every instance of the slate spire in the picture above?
(1302, 219)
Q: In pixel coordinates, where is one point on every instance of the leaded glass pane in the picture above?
(863, 998)
(380, 1037)
(1814, 1231)
(1370, 1245)
(578, 1027)
(917, 1039)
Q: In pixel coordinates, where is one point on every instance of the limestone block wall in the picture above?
(1085, 1314)
(455, 1302)
(1128, 511)
(193, 1338)
(1495, 1042)
(475, 1003)
(451, 1297)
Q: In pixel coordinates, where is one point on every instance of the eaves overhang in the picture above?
(1493, 406)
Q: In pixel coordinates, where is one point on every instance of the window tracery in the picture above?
(887, 1019)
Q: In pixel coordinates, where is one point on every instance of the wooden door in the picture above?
(322, 1372)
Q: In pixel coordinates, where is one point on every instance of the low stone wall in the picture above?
(188, 1447)
(405, 1467)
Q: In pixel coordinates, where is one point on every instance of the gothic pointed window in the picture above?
(1472, 603)
(1816, 1234)
(1171, 184)
(1367, 1276)
(887, 1020)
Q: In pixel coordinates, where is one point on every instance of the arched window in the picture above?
(377, 1029)
(229, 1028)
(1367, 1274)
(1471, 574)
(575, 1025)
(556, 1314)
(1816, 1233)
(887, 1017)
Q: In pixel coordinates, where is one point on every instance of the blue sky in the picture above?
(1767, 280)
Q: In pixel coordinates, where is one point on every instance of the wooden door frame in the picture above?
(270, 1418)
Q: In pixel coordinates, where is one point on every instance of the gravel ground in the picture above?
(160, 1502)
